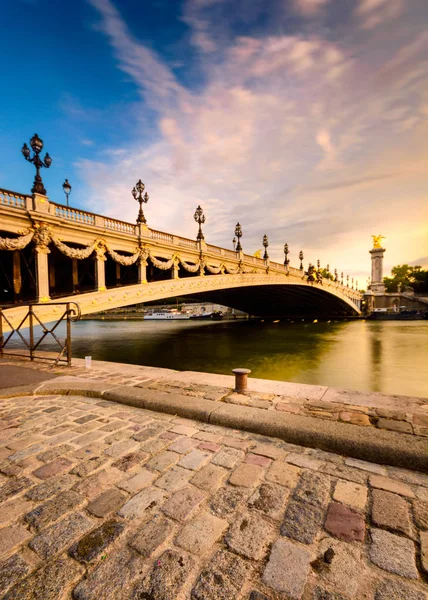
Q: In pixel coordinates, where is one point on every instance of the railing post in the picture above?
(30, 315)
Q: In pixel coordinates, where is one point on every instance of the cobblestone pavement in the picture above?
(104, 501)
(393, 413)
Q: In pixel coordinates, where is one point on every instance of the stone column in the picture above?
(377, 270)
(42, 274)
(100, 273)
(74, 273)
(174, 270)
(142, 271)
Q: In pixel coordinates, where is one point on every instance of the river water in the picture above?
(389, 356)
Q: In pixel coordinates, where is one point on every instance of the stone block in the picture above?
(10, 511)
(287, 569)
(420, 513)
(269, 450)
(14, 486)
(391, 511)
(12, 570)
(393, 553)
(107, 502)
(138, 482)
(269, 499)
(391, 485)
(393, 425)
(249, 536)
(183, 503)
(94, 542)
(51, 511)
(347, 571)
(163, 461)
(201, 533)
(195, 460)
(246, 475)
(313, 488)
(223, 578)
(183, 445)
(391, 589)
(174, 479)
(209, 478)
(86, 467)
(355, 418)
(345, 523)
(228, 457)
(302, 521)
(50, 488)
(366, 466)
(11, 537)
(149, 432)
(48, 582)
(151, 535)
(146, 500)
(184, 430)
(120, 448)
(53, 468)
(166, 578)
(49, 455)
(304, 461)
(350, 493)
(258, 459)
(227, 500)
(283, 473)
(57, 537)
(424, 551)
(129, 461)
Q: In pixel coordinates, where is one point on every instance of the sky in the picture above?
(306, 120)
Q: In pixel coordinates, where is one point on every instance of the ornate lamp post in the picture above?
(286, 253)
(301, 257)
(67, 189)
(238, 233)
(336, 278)
(352, 283)
(200, 220)
(341, 278)
(37, 146)
(137, 192)
(234, 243)
(356, 285)
(318, 264)
(265, 244)
(347, 281)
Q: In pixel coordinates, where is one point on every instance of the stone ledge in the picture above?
(380, 446)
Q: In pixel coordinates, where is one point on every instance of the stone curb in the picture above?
(373, 445)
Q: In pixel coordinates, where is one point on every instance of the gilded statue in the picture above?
(257, 254)
(377, 240)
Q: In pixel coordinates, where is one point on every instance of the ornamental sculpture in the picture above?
(137, 192)
(37, 146)
(377, 240)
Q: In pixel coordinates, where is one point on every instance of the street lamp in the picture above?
(318, 264)
(347, 281)
(341, 278)
(137, 192)
(265, 244)
(67, 189)
(238, 233)
(335, 275)
(200, 220)
(301, 257)
(286, 253)
(37, 146)
(234, 243)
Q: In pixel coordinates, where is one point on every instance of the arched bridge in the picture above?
(48, 252)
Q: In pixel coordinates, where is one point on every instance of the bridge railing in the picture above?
(13, 199)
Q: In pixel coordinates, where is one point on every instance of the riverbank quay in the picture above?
(105, 500)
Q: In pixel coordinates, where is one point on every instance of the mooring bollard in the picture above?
(241, 379)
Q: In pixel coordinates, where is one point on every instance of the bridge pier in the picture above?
(42, 275)
(142, 271)
(100, 273)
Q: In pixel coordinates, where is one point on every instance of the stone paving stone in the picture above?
(147, 499)
(12, 536)
(304, 461)
(393, 425)
(53, 453)
(119, 436)
(166, 578)
(350, 493)
(13, 509)
(344, 472)
(258, 459)
(151, 535)
(130, 461)
(149, 432)
(393, 553)
(391, 589)
(107, 502)
(323, 594)
(210, 446)
(269, 450)
(11, 571)
(249, 536)
(48, 513)
(163, 461)
(238, 444)
(120, 448)
(255, 595)
(183, 503)
(113, 426)
(347, 571)
(86, 418)
(91, 486)
(391, 485)
(85, 467)
(53, 468)
(18, 456)
(302, 521)
(246, 475)
(269, 499)
(48, 582)
(94, 542)
(50, 488)
(366, 466)
(153, 446)
(194, 460)
(137, 482)
(227, 500)
(13, 487)
(112, 578)
(345, 523)
(313, 488)
(424, 551)
(228, 457)
(283, 473)
(57, 537)
(391, 511)
(287, 569)
(184, 430)
(174, 479)
(209, 478)
(222, 579)
(420, 512)
(201, 533)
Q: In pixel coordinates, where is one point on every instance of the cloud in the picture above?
(310, 7)
(313, 139)
(376, 12)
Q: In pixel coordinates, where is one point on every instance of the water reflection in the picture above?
(389, 357)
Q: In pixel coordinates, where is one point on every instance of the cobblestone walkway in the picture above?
(103, 501)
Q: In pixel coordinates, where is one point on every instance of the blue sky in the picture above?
(302, 119)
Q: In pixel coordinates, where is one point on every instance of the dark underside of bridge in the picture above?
(290, 301)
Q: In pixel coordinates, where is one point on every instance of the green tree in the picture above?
(404, 276)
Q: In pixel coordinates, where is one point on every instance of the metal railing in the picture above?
(70, 313)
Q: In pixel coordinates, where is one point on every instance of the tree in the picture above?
(403, 276)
